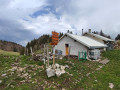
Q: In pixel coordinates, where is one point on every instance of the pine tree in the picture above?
(117, 37)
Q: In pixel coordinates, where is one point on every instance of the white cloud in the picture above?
(73, 15)
(45, 24)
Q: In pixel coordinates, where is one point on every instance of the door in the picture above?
(67, 49)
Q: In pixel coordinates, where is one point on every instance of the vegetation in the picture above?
(10, 46)
(117, 37)
(101, 33)
(8, 53)
(37, 44)
(79, 75)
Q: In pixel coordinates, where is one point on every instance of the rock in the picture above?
(104, 61)
(0, 81)
(50, 72)
(66, 66)
(3, 75)
(58, 72)
(20, 69)
(87, 74)
(62, 67)
(57, 65)
(62, 71)
(24, 75)
(63, 89)
(111, 85)
(99, 68)
(53, 66)
(96, 81)
(61, 57)
(34, 73)
(43, 60)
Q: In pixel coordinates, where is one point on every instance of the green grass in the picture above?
(75, 80)
(8, 53)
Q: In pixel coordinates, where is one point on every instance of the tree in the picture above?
(60, 35)
(71, 32)
(68, 31)
(95, 32)
(101, 33)
(117, 37)
(22, 51)
(109, 37)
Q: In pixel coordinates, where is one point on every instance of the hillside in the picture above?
(37, 44)
(20, 73)
(10, 46)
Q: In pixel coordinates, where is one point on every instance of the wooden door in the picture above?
(67, 49)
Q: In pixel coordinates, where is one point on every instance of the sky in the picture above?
(23, 20)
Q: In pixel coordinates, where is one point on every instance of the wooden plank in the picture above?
(53, 38)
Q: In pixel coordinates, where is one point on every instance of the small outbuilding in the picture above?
(101, 39)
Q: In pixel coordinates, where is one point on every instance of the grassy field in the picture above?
(22, 73)
(8, 53)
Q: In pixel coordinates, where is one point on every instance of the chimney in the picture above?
(89, 30)
(82, 31)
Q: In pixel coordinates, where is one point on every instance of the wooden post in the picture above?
(47, 56)
(53, 58)
(44, 53)
(27, 51)
(31, 50)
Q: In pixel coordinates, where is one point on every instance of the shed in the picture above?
(101, 39)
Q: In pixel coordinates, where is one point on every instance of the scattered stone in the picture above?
(50, 72)
(96, 81)
(34, 73)
(111, 85)
(63, 89)
(61, 58)
(57, 65)
(66, 66)
(62, 67)
(99, 68)
(62, 71)
(0, 81)
(87, 74)
(69, 74)
(44, 60)
(58, 72)
(3, 75)
(104, 61)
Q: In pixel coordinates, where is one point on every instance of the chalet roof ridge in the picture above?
(90, 43)
(99, 36)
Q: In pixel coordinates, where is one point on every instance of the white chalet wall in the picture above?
(75, 46)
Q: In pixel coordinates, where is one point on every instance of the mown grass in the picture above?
(82, 75)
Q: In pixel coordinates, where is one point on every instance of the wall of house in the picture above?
(97, 39)
(75, 46)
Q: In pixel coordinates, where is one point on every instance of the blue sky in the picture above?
(24, 20)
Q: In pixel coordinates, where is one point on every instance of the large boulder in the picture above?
(50, 72)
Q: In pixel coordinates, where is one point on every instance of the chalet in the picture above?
(70, 44)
